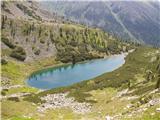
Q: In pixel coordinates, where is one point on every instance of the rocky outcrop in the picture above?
(60, 100)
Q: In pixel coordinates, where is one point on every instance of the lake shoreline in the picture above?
(30, 66)
(65, 64)
(32, 82)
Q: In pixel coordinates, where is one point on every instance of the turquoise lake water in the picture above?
(70, 74)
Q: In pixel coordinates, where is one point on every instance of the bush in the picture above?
(42, 41)
(33, 47)
(3, 93)
(18, 53)
(37, 52)
(27, 39)
(158, 82)
(3, 62)
(7, 42)
(16, 99)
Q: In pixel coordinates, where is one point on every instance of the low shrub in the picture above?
(16, 99)
(3, 62)
(3, 93)
(37, 52)
(18, 53)
(42, 41)
(8, 42)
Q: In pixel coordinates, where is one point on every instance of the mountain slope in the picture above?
(29, 10)
(28, 39)
(64, 41)
(31, 36)
(130, 20)
(34, 42)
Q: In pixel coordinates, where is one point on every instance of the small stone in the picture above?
(130, 115)
(129, 105)
(158, 109)
(144, 109)
(154, 102)
(151, 103)
(108, 117)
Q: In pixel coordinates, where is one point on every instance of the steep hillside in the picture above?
(29, 32)
(130, 92)
(32, 39)
(29, 10)
(136, 21)
(29, 40)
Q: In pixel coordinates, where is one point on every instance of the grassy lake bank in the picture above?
(101, 91)
(122, 76)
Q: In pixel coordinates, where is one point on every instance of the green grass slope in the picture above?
(140, 75)
(132, 74)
